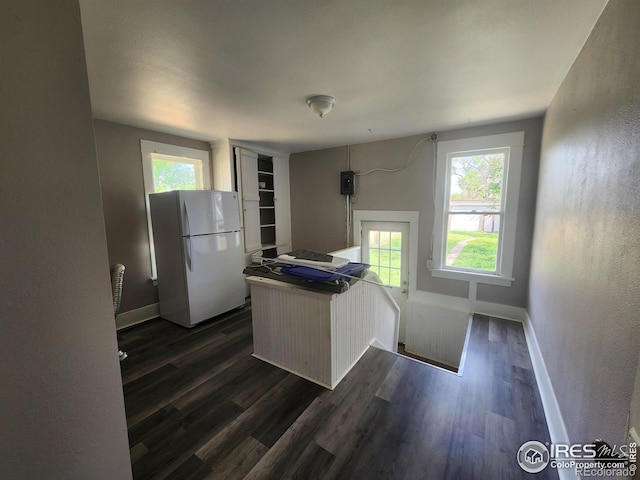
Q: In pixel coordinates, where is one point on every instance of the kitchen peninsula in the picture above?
(320, 335)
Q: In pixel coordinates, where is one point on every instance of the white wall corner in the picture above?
(138, 315)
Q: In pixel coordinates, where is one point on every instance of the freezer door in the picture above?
(208, 211)
(215, 282)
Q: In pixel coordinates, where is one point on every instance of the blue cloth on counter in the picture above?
(313, 274)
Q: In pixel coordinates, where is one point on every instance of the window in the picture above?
(476, 205)
(170, 167)
(176, 173)
(385, 250)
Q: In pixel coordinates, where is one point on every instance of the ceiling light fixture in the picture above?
(321, 104)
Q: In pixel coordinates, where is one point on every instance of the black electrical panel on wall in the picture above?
(347, 183)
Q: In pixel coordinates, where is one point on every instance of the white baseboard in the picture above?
(555, 422)
(139, 315)
(557, 428)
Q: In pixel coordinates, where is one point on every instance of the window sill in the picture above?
(472, 277)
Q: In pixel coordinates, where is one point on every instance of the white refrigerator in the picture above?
(199, 254)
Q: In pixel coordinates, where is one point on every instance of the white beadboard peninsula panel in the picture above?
(360, 317)
(290, 330)
(320, 336)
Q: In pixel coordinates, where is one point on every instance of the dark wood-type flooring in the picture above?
(200, 407)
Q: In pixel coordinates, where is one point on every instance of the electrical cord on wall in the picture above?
(433, 137)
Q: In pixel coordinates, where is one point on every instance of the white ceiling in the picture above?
(242, 68)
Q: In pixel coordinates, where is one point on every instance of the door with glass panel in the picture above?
(385, 247)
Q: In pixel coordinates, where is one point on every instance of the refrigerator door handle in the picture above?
(187, 228)
(187, 253)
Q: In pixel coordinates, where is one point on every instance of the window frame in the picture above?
(165, 151)
(513, 143)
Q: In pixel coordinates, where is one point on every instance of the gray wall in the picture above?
(318, 211)
(120, 164)
(62, 409)
(585, 286)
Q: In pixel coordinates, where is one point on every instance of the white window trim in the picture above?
(147, 149)
(515, 142)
